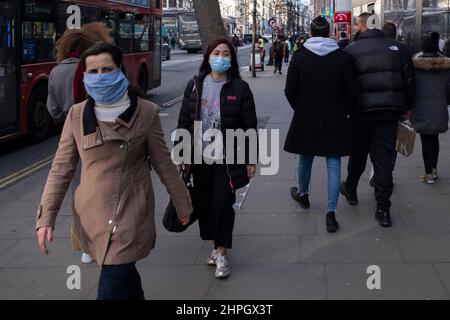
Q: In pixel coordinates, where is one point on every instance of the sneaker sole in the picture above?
(223, 277)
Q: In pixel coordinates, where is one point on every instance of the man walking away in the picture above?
(343, 40)
(288, 50)
(320, 126)
(278, 52)
(386, 81)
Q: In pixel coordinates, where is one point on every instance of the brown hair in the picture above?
(81, 39)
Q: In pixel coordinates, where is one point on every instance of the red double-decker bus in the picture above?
(29, 30)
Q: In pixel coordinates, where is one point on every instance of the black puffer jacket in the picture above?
(237, 111)
(385, 73)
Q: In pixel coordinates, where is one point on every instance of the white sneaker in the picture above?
(427, 178)
(434, 174)
(222, 267)
(211, 261)
(86, 259)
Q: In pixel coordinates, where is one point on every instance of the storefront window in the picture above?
(403, 14)
(436, 17)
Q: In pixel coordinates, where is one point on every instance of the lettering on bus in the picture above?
(74, 20)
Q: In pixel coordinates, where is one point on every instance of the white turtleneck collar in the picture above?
(110, 112)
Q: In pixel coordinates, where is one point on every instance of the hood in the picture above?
(321, 46)
(439, 63)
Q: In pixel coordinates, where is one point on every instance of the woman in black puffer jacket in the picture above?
(217, 98)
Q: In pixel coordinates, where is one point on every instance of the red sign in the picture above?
(342, 17)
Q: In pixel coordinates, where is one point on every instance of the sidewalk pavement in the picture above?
(280, 251)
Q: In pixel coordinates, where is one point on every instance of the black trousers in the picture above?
(286, 57)
(214, 204)
(278, 62)
(120, 282)
(430, 151)
(376, 138)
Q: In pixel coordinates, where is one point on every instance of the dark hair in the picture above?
(435, 35)
(103, 47)
(390, 30)
(343, 34)
(206, 68)
(320, 27)
(430, 45)
(364, 17)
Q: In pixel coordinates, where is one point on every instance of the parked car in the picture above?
(165, 51)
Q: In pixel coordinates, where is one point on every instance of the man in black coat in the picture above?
(320, 87)
(386, 80)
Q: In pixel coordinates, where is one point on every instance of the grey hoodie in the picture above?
(321, 46)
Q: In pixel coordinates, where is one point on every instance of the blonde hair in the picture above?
(82, 39)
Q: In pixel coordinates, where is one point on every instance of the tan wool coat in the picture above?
(113, 207)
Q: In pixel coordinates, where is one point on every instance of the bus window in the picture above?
(141, 31)
(110, 18)
(38, 32)
(125, 32)
(88, 14)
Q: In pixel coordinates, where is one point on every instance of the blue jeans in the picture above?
(334, 178)
(120, 282)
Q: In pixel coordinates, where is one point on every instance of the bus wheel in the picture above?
(39, 120)
(143, 79)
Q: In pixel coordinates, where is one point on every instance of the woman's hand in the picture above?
(43, 234)
(185, 220)
(251, 169)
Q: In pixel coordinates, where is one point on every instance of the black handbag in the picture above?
(170, 220)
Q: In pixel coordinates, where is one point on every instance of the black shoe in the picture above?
(383, 217)
(280, 72)
(351, 197)
(332, 224)
(302, 200)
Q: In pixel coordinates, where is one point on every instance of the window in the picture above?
(110, 19)
(125, 32)
(141, 32)
(88, 14)
(38, 32)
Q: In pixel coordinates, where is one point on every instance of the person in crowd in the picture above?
(288, 51)
(173, 42)
(236, 42)
(61, 83)
(219, 99)
(343, 40)
(430, 112)
(278, 51)
(441, 42)
(386, 87)
(116, 135)
(320, 126)
(298, 44)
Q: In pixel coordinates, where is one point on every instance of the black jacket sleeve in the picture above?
(292, 86)
(351, 91)
(409, 79)
(248, 120)
(184, 118)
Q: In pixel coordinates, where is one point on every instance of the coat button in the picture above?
(110, 222)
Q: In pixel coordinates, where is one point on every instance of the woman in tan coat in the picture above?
(117, 136)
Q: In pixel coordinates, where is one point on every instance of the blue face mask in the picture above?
(106, 88)
(220, 64)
